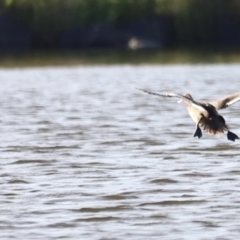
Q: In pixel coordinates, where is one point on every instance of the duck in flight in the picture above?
(205, 114)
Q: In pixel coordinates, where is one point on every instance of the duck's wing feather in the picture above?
(161, 93)
(226, 101)
(171, 94)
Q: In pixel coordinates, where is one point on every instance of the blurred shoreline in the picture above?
(104, 57)
(106, 24)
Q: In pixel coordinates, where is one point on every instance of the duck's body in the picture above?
(205, 115)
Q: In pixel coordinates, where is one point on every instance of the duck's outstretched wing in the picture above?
(226, 101)
(171, 94)
(161, 93)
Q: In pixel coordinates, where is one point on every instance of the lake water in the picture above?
(84, 155)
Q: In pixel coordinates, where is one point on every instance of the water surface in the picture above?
(84, 155)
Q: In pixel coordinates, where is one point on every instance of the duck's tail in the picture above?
(213, 126)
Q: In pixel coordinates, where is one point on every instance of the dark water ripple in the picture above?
(84, 155)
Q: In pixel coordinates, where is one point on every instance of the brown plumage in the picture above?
(204, 114)
(207, 117)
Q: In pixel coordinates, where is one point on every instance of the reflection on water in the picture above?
(85, 155)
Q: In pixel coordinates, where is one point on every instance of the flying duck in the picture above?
(205, 114)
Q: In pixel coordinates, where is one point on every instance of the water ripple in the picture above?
(84, 155)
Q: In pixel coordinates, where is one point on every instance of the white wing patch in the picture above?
(233, 101)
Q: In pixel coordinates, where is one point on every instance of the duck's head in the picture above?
(184, 100)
